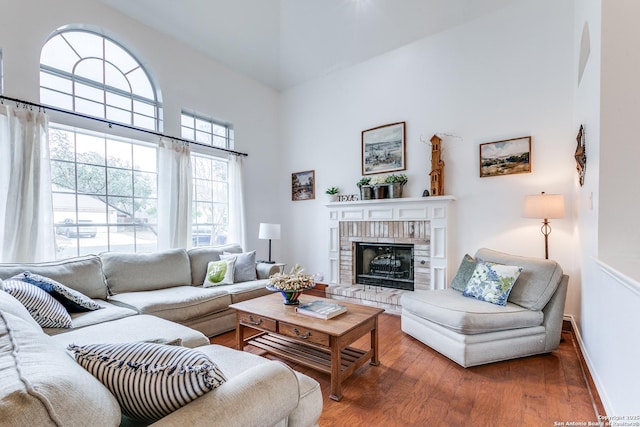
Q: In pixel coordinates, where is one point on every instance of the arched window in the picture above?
(88, 73)
(104, 186)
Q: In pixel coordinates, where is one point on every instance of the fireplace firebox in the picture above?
(387, 265)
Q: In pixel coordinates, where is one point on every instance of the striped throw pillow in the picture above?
(150, 380)
(45, 309)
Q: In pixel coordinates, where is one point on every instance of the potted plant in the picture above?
(396, 182)
(366, 192)
(379, 187)
(333, 193)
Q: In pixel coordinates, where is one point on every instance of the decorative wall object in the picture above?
(384, 149)
(303, 185)
(505, 157)
(436, 176)
(581, 156)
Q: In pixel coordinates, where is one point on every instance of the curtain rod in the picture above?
(111, 124)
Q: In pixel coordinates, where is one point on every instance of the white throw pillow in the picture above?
(219, 273)
(245, 269)
(150, 380)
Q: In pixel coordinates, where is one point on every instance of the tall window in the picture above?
(210, 179)
(104, 187)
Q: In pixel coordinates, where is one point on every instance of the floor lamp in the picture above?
(544, 206)
(269, 231)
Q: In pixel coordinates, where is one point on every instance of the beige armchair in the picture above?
(473, 332)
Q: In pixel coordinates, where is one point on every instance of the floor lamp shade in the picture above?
(269, 232)
(544, 206)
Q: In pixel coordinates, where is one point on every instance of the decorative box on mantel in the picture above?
(421, 221)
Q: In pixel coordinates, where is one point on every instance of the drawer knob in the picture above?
(304, 337)
(254, 322)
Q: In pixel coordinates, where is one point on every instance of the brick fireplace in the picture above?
(420, 224)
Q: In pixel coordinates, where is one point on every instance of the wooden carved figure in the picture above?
(437, 167)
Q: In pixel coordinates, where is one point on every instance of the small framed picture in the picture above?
(384, 149)
(505, 157)
(303, 185)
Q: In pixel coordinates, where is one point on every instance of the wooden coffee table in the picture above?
(316, 343)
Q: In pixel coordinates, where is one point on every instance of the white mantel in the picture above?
(437, 210)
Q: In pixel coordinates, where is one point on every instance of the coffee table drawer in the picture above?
(255, 321)
(302, 333)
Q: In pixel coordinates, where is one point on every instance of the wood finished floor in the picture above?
(416, 386)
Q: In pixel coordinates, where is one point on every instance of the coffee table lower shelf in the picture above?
(311, 356)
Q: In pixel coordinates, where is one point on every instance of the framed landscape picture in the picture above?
(303, 185)
(384, 149)
(505, 157)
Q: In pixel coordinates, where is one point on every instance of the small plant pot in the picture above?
(366, 192)
(380, 191)
(333, 197)
(395, 190)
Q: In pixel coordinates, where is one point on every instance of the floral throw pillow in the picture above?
(219, 273)
(492, 282)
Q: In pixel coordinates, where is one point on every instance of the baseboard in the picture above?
(569, 325)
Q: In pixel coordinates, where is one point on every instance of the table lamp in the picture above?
(544, 206)
(269, 231)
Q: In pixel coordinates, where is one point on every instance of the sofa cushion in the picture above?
(220, 272)
(150, 380)
(179, 304)
(448, 308)
(71, 299)
(247, 290)
(141, 327)
(492, 282)
(44, 308)
(107, 313)
(84, 274)
(41, 385)
(245, 267)
(467, 266)
(537, 282)
(132, 272)
(199, 259)
(234, 363)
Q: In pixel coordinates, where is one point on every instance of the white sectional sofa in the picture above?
(145, 297)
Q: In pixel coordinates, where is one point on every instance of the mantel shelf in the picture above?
(400, 200)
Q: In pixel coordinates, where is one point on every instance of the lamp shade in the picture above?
(543, 206)
(269, 231)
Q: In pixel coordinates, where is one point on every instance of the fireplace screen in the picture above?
(386, 264)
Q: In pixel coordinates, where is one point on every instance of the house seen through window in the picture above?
(210, 193)
(105, 186)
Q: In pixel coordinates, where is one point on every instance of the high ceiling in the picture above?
(282, 43)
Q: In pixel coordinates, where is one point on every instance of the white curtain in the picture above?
(174, 194)
(26, 207)
(237, 233)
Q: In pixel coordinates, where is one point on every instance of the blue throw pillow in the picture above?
(71, 299)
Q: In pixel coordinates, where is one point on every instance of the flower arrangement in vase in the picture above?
(291, 285)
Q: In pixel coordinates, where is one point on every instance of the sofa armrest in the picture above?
(262, 395)
(265, 270)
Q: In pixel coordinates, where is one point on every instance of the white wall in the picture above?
(606, 206)
(494, 78)
(186, 78)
